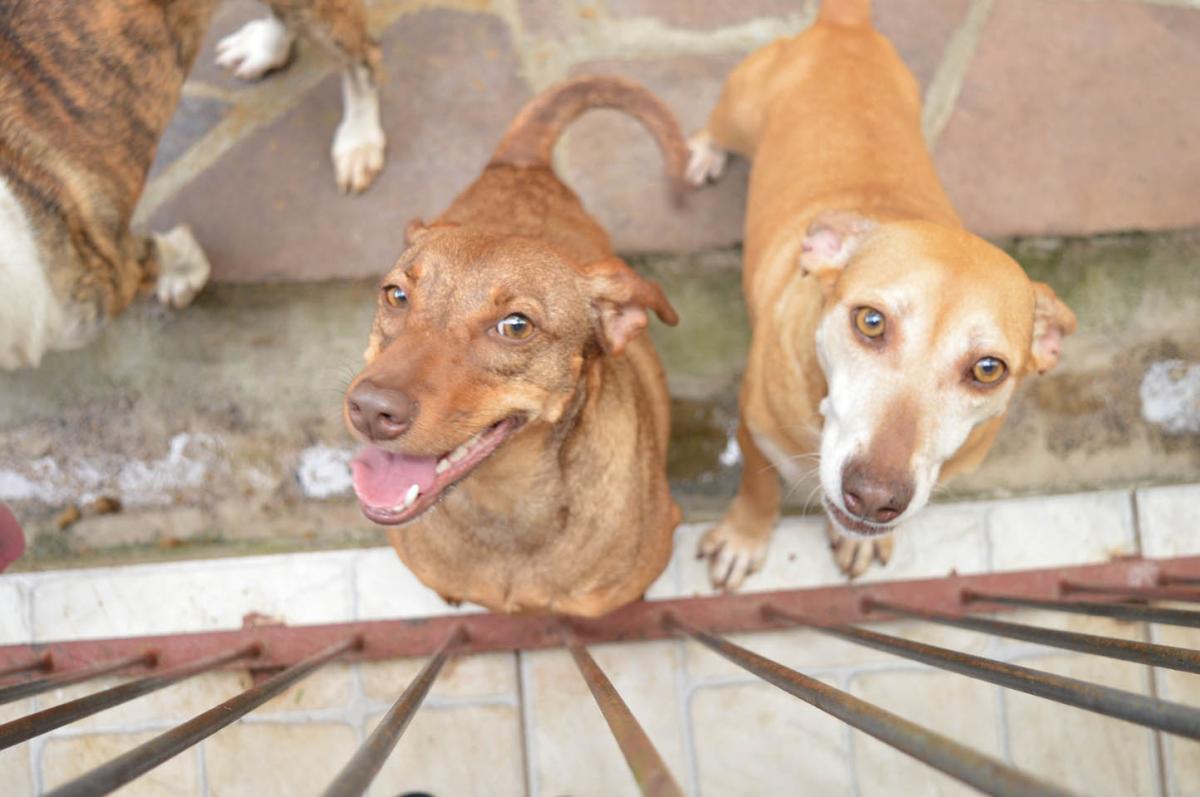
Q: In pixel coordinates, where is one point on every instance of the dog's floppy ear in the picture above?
(1052, 321)
(621, 300)
(417, 228)
(832, 238)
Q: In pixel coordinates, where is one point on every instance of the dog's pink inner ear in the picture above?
(832, 238)
(622, 300)
(1052, 321)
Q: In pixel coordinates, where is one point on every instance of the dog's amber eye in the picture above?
(988, 371)
(869, 321)
(515, 327)
(395, 296)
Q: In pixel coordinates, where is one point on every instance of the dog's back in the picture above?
(842, 128)
(519, 193)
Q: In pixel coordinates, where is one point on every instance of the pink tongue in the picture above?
(381, 479)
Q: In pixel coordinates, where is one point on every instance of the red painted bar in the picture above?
(719, 614)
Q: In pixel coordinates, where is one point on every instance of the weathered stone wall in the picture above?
(218, 428)
(1045, 117)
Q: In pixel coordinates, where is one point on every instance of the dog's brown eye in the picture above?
(515, 327)
(869, 321)
(989, 370)
(395, 296)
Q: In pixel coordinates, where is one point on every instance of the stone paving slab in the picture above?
(269, 208)
(1046, 116)
(1077, 121)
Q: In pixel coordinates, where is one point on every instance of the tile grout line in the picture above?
(683, 714)
(1158, 753)
(942, 94)
(201, 769)
(850, 742)
(527, 721)
(526, 758)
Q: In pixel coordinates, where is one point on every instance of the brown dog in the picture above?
(86, 90)
(885, 337)
(506, 362)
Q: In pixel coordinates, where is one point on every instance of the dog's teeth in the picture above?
(443, 465)
(458, 453)
(411, 496)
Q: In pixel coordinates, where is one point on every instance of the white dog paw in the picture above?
(853, 555)
(256, 49)
(706, 161)
(732, 555)
(357, 155)
(182, 267)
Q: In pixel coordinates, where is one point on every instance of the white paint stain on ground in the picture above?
(187, 464)
(1170, 395)
(731, 454)
(324, 472)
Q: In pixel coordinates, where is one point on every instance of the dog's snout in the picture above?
(379, 413)
(879, 498)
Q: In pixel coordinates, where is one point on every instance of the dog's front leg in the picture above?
(359, 143)
(737, 546)
(706, 161)
(340, 28)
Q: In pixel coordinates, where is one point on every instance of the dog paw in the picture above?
(182, 267)
(257, 48)
(853, 555)
(732, 555)
(358, 148)
(706, 161)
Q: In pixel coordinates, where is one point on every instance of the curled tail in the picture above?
(531, 137)
(846, 13)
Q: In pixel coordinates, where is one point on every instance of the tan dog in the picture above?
(86, 90)
(516, 418)
(885, 337)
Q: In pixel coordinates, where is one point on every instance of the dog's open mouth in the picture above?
(852, 526)
(396, 488)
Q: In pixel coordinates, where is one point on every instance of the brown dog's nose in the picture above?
(379, 413)
(879, 499)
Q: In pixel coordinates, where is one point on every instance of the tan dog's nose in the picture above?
(877, 498)
(379, 413)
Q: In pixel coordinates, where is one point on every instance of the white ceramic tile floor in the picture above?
(507, 724)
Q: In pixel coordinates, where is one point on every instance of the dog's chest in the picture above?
(32, 320)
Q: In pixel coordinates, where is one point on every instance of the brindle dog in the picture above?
(86, 90)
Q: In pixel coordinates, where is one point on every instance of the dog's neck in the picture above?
(517, 498)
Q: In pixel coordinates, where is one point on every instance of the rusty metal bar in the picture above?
(361, 769)
(1169, 593)
(1166, 579)
(1168, 656)
(1118, 611)
(983, 772)
(408, 638)
(141, 759)
(25, 728)
(1162, 715)
(649, 770)
(44, 662)
(147, 658)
